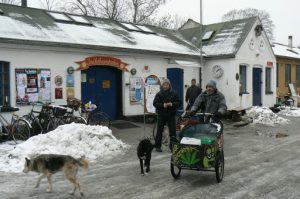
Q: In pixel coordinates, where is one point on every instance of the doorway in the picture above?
(257, 82)
(102, 85)
(175, 75)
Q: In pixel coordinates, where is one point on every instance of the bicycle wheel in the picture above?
(54, 123)
(75, 119)
(175, 170)
(99, 118)
(36, 128)
(79, 120)
(219, 167)
(20, 130)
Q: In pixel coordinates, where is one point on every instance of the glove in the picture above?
(217, 117)
(190, 113)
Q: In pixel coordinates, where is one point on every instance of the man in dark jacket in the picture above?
(166, 102)
(191, 94)
(210, 101)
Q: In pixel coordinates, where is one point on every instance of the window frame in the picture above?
(268, 80)
(289, 75)
(5, 82)
(298, 75)
(243, 80)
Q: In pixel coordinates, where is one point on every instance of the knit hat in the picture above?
(166, 80)
(212, 83)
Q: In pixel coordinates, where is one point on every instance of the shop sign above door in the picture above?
(102, 61)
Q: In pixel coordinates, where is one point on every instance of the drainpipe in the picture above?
(201, 55)
(290, 43)
(24, 3)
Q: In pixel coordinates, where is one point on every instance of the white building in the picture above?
(239, 57)
(47, 56)
(39, 51)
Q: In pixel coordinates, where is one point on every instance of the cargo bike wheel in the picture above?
(175, 170)
(219, 167)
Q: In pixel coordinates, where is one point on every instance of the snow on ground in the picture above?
(95, 142)
(291, 112)
(263, 115)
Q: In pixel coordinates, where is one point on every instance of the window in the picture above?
(208, 35)
(298, 75)
(59, 17)
(144, 29)
(277, 73)
(137, 28)
(79, 19)
(288, 74)
(131, 27)
(268, 81)
(243, 79)
(5, 84)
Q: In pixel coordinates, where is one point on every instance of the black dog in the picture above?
(144, 151)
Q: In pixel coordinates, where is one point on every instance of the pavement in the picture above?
(258, 164)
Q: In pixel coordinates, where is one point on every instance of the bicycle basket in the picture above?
(59, 111)
(74, 103)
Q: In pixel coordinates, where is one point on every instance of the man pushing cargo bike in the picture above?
(200, 136)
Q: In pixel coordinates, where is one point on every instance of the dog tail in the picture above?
(83, 162)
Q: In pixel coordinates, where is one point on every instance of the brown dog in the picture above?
(48, 164)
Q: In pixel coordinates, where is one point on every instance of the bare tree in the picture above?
(50, 4)
(76, 6)
(10, 1)
(144, 9)
(167, 21)
(251, 12)
(112, 9)
(136, 11)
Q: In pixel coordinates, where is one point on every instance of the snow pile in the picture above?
(263, 115)
(94, 142)
(291, 112)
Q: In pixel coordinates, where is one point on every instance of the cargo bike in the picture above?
(199, 147)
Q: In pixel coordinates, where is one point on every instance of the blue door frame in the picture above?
(257, 86)
(103, 86)
(175, 75)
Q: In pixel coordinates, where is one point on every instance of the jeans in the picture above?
(161, 122)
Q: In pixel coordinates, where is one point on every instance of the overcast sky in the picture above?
(284, 13)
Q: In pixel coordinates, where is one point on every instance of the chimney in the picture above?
(290, 44)
(24, 3)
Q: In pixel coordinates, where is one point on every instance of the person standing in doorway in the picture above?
(191, 94)
(166, 102)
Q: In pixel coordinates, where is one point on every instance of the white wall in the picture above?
(258, 57)
(59, 59)
(227, 84)
(252, 57)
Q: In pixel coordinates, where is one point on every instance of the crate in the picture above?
(73, 103)
(59, 111)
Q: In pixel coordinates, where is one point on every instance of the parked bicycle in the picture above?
(45, 120)
(94, 116)
(18, 128)
(74, 104)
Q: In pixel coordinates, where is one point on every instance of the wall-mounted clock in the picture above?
(217, 71)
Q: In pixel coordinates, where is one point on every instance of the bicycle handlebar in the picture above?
(204, 114)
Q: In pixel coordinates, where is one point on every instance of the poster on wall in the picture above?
(70, 92)
(58, 93)
(136, 90)
(32, 85)
(70, 81)
(152, 87)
